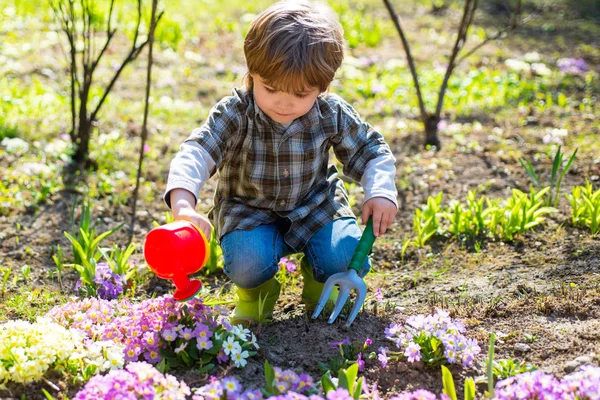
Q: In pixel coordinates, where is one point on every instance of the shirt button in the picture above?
(282, 203)
(285, 173)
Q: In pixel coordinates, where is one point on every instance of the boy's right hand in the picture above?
(189, 214)
(182, 205)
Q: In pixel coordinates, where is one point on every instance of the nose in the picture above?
(285, 102)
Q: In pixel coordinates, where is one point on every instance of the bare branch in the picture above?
(515, 24)
(461, 38)
(409, 57)
(153, 22)
(135, 51)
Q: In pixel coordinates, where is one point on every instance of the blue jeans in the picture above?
(252, 256)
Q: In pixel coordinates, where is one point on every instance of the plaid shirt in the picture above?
(268, 171)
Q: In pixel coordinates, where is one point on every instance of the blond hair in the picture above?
(294, 45)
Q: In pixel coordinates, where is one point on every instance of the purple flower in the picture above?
(378, 296)
(138, 380)
(420, 394)
(288, 264)
(383, 357)
(529, 385)
(108, 284)
(335, 344)
(339, 394)
(360, 362)
(572, 65)
(368, 342)
(413, 352)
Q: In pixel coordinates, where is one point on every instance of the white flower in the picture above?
(240, 359)
(15, 145)
(540, 69)
(253, 342)
(182, 347)
(237, 348)
(516, 65)
(241, 332)
(228, 345)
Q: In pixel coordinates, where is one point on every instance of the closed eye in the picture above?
(269, 90)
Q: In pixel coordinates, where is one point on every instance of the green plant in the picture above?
(449, 389)
(118, 259)
(490, 366)
(346, 379)
(523, 212)
(5, 275)
(473, 220)
(503, 369)
(349, 353)
(426, 220)
(58, 260)
(553, 195)
(531, 337)
(215, 256)
(585, 207)
(86, 250)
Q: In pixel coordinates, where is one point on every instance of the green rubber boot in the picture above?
(256, 304)
(311, 291)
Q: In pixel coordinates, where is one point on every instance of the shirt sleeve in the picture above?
(201, 155)
(379, 179)
(356, 144)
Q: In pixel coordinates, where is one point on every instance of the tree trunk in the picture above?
(431, 130)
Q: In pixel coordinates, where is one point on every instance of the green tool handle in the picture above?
(364, 247)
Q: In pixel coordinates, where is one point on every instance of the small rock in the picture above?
(571, 366)
(522, 348)
(584, 360)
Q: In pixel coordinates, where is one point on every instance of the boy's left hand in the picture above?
(383, 212)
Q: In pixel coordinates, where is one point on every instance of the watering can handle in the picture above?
(364, 247)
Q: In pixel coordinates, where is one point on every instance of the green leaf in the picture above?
(47, 395)
(469, 389)
(448, 383)
(96, 241)
(490, 365)
(207, 368)
(358, 388)
(162, 366)
(350, 375)
(269, 377)
(327, 383)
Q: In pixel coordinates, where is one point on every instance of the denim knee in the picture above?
(330, 250)
(247, 264)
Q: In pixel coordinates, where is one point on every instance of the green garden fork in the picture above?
(349, 280)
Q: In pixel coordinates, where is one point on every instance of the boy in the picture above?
(270, 145)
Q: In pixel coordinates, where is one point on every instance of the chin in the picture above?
(281, 119)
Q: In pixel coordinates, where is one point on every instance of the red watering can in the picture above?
(174, 251)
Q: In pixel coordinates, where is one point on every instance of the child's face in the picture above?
(280, 106)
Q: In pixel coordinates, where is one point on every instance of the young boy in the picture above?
(269, 144)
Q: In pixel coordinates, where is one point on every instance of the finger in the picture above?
(386, 222)
(366, 212)
(377, 218)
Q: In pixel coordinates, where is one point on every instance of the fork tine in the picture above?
(324, 297)
(343, 296)
(360, 298)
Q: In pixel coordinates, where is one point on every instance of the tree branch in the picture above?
(153, 23)
(461, 38)
(135, 51)
(409, 57)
